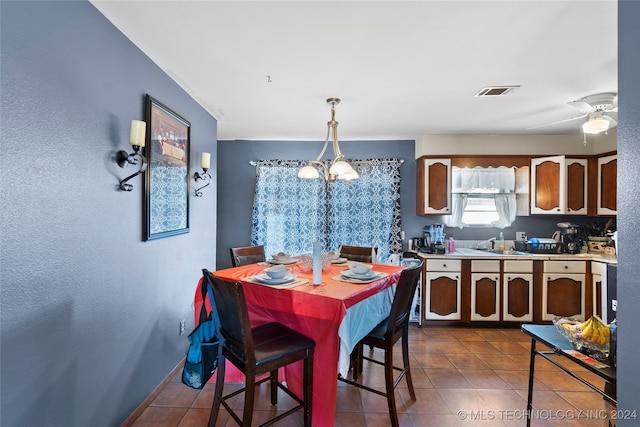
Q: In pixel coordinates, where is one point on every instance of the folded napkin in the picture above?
(378, 276)
(293, 284)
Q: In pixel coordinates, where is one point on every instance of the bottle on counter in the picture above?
(452, 245)
(500, 242)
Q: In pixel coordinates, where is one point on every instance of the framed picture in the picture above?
(167, 174)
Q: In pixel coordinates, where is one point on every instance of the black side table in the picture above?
(549, 336)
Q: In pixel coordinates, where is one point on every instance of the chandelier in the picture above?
(340, 168)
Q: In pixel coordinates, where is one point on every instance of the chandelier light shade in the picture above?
(340, 168)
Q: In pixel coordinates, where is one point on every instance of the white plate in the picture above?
(284, 262)
(338, 260)
(351, 275)
(263, 278)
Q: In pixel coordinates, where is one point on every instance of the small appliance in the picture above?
(570, 238)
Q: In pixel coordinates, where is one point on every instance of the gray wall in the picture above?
(628, 208)
(90, 312)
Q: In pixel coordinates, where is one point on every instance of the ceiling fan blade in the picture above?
(559, 121)
(582, 106)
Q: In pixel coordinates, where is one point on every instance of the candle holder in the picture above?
(137, 141)
(123, 158)
(204, 177)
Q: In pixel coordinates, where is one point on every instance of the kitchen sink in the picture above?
(486, 252)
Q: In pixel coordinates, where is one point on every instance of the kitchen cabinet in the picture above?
(563, 289)
(607, 185)
(485, 290)
(559, 185)
(443, 289)
(517, 292)
(599, 284)
(433, 186)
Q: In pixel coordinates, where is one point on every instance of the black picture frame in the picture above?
(166, 192)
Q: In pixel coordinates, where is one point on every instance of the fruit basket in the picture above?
(591, 337)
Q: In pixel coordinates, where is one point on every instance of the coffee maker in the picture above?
(570, 238)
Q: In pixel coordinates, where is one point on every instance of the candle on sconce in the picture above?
(205, 161)
(138, 129)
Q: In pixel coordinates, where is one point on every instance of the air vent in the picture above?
(496, 91)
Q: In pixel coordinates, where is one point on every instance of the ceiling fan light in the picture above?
(595, 126)
(308, 172)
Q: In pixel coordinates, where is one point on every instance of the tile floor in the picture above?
(462, 376)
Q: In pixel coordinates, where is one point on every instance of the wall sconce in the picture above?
(138, 129)
(205, 162)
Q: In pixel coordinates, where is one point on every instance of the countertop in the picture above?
(467, 253)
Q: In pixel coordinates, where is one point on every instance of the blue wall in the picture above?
(628, 209)
(90, 312)
(237, 180)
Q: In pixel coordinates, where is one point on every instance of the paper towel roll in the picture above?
(317, 263)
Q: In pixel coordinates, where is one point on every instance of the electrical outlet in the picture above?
(521, 236)
(614, 305)
(183, 325)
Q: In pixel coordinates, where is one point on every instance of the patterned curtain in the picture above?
(290, 213)
(366, 211)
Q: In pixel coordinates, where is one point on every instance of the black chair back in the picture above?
(358, 253)
(233, 318)
(247, 255)
(401, 306)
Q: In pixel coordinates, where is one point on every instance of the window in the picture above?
(483, 197)
(480, 210)
(290, 213)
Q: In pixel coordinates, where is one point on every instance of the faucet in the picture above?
(484, 242)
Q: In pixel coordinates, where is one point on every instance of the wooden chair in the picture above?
(384, 336)
(256, 351)
(247, 255)
(358, 253)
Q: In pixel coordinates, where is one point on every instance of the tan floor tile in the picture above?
(154, 416)
(447, 378)
(433, 361)
(467, 361)
(481, 347)
(484, 379)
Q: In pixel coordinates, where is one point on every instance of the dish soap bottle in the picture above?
(500, 242)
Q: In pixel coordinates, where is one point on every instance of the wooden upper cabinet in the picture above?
(559, 185)
(607, 185)
(434, 186)
(577, 186)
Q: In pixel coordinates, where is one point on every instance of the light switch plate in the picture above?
(521, 236)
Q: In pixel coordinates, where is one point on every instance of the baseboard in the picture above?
(140, 409)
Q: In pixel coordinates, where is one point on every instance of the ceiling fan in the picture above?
(601, 110)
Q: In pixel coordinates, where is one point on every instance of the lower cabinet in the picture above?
(512, 290)
(517, 291)
(443, 290)
(563, 289)
(485, 290)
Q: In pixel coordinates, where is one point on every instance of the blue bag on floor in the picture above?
(202, 356)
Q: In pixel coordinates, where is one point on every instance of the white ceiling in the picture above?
(403, 69)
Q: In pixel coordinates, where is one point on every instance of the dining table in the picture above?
(336, 314)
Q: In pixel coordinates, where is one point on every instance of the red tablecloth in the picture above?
(314, 312)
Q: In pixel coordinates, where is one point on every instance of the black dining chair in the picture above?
(247, 255)
(256, 351)
(384, 336)
(358, 253)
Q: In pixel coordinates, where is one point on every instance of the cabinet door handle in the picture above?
(566, 266)
(444, 265)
